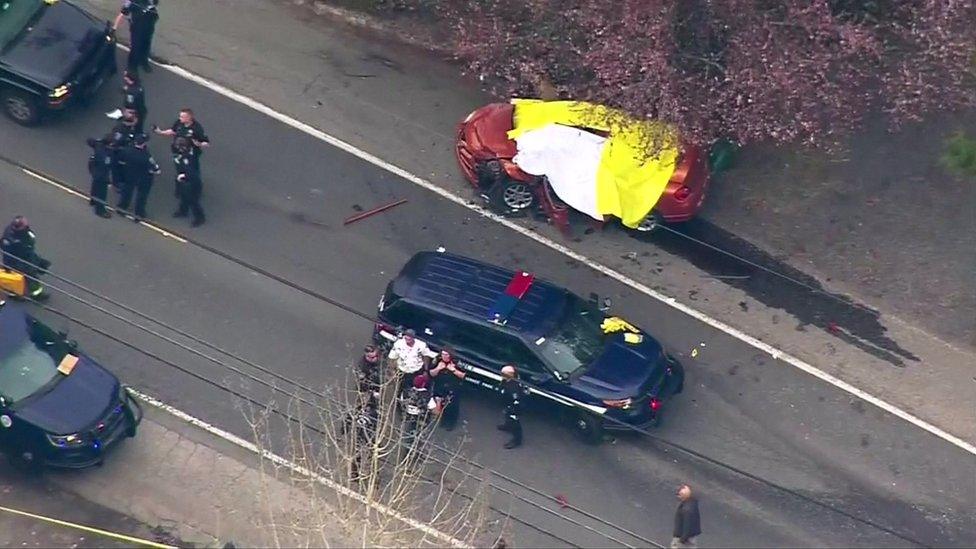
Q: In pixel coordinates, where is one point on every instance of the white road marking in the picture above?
(73, 192)
(440, 536)
(622, 278)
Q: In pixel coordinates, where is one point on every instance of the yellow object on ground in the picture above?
(629, 180)
(13, 282)
(616, 324)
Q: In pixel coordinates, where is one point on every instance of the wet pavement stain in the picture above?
(791, 290)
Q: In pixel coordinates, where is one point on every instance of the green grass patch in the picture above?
(960, 155)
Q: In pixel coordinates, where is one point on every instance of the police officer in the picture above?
(100, 168)
(19, 253)
(123, 134)
(134, 97)
(189, 186)
(513, 392)
(142, 16)
(139, 168)
(187, 126)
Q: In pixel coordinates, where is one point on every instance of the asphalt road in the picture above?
(275, 200)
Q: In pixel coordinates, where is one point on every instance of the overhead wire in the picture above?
(714, 461)
(302, 400)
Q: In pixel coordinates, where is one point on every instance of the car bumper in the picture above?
(465, 158)
(93, 454)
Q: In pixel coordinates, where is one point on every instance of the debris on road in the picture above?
(374, 211)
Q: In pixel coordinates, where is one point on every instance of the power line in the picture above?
(713, 461)
(373, 320)
(302, 400)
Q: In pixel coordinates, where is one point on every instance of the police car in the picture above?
(601, 370)
(52, 54)
(58, 407)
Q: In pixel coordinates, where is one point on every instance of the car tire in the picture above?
(25, 461)
(650, 223)
(20, 107)
(588, 427)
(505, 195)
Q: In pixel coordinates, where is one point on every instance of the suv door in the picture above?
(490, 349)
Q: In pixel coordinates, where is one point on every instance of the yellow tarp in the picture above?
(629, 180)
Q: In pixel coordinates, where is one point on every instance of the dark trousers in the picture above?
(140, 42)
(189, 193)
(141, 191)
(99, 194)
(118, 177)
(514, 426)
(452, 409)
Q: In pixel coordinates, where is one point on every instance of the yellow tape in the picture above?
(112, 535)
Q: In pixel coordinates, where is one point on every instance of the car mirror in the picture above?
(73, 344)
(607, 303)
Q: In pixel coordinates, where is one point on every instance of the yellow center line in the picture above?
(105, 533)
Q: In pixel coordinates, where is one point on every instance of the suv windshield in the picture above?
(31, 363)
(577, 340)
(14, 15)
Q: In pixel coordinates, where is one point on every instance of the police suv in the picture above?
(58, 407)
(604, 372)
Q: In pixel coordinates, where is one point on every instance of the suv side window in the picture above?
(493, 347)
(407, 315)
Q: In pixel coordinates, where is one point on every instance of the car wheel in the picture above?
(650, 222)
(25, 461)
(20, 107)
(588, 427)
(512, 198)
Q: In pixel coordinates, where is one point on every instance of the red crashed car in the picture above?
(485, 155)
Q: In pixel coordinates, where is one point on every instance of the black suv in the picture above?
(52, 54)
(58, 407)
(565, 351)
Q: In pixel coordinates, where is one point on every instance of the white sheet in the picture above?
(570, 159)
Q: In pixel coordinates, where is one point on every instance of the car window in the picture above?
(30, 365)
(494, 346)
(14, 16)
(576, 340)
(404, 314)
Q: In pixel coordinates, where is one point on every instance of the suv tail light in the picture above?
(385, 330)
(682, 194)
(655, 404)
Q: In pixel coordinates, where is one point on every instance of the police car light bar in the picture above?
(514, 292)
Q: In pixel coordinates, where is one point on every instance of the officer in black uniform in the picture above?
(142, 15)
(100, 168)
(122, 136)
(134, 98)
(19, 254)
(140, 168)
(513, 392)
(187, 126)
(189, 186)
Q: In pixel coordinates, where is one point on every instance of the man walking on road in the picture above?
(514, 392)
(142, 15)
(100, 168)
(139, 168)
(687, 521)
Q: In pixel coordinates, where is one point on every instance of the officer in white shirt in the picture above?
(411, 357)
